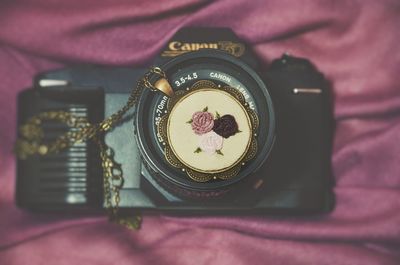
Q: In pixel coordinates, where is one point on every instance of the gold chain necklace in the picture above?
(30, 142)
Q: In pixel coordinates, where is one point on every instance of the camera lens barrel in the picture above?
(182, 72)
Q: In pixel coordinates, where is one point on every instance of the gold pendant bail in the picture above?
(161, 84)
(164, 86)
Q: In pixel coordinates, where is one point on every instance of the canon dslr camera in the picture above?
(205, 131)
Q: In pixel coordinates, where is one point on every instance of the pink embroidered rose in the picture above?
(202, 122)
(211, 142)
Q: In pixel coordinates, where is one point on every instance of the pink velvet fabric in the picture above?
(355, 43)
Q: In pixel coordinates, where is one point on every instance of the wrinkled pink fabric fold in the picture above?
(354, 43)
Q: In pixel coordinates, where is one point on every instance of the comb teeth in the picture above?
(64, 174)
(66, 181)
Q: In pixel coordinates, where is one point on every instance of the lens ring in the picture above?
(147, 144)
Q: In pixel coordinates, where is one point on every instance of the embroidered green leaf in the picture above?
(205, 109)
(198, 150)
(219, 152)
(217, 115)
(190, 121)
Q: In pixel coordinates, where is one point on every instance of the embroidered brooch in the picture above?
(208, 131)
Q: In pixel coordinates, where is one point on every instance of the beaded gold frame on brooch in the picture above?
(196, 175)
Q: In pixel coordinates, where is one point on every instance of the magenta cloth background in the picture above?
(355, 43)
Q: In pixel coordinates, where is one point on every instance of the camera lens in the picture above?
(184, 73)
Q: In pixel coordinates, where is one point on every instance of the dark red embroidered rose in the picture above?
(226, 126)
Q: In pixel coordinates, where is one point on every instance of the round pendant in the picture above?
(209, 131)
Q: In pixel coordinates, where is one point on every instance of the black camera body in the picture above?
(291, 174)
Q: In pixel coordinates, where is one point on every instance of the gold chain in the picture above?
(31, 143)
